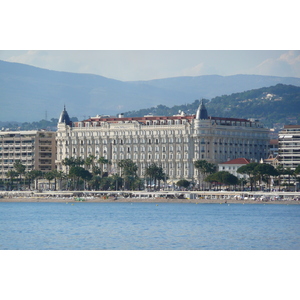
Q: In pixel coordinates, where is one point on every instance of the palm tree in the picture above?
(116, 182)
(249, 170)
(155, 173)
(128, 170)
(242, 182)
(29, 177)
(265, 171)
(49, 176)
(280, 171)
(204, 168)
(90, 161)
(20, 169)
(58, 175)
(36, 175)
(11, 174)
(103, 161)
(199, 164)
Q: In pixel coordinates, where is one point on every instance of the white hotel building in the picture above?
(174, 142)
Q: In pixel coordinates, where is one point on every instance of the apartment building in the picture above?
(289, 146)
(34, 149)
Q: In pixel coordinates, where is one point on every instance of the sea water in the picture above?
(148, 226)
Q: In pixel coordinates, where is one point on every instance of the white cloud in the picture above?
(198, 70)
(26, 58)
(287, 64)
(36, 58)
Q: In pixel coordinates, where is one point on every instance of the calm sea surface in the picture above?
(149, 226)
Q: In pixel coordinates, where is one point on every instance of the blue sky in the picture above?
(129, 65)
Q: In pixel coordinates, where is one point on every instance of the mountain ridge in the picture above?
(30, 93)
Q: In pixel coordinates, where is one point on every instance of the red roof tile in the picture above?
(237, 161)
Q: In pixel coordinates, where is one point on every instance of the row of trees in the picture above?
(90, 171)
(89, 174)
(26, 179)
(258, 174)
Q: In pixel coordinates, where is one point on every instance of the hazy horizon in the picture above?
(134, 65)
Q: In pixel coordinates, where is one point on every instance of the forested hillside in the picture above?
(275, 104)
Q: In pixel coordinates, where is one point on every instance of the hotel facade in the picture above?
(172, 142)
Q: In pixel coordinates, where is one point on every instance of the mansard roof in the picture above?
(163, 120)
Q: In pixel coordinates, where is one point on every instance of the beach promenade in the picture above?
(163, 196)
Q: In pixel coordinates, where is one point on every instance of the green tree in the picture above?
(229, 179)
(249, 170)
(128, 171)
(49, 176)
(265, 171)
(297, 170)
(73, 162)
(90, 161)
(105, 183)
(103, 161)
(155, 174)
(11, 174)
(116, 182)
(222, 177)
(58, 175)
(204, 168)
(20, 169)
(77, 173)
(183, 183)
(30, 176)
(38, 175)
(289, 172)
(280, 172)
(242, 182)
(95, 182)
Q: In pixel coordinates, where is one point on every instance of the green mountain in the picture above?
(275, 104)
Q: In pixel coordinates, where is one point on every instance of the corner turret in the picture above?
(64, 117)
(201, 112)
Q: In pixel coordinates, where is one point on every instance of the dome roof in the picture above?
(201, 112)
(64, 117)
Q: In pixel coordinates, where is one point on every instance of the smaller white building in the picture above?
(232, 166)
